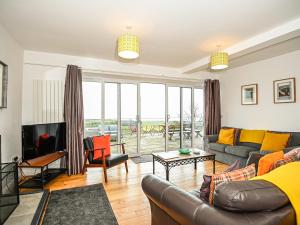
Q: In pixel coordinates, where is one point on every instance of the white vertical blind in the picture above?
(48, 98)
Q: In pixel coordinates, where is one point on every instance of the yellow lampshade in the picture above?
(219, 61)
(128, 46)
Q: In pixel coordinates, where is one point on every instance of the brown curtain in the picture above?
(212, 107)
(73, 114)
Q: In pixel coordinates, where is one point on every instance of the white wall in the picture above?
(10, 118)
(51, 66)
(265, 115)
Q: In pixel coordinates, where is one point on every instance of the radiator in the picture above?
(48, 100)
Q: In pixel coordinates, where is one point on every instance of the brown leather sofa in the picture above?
(235, 203)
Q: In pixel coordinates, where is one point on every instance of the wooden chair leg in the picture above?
(83, 170)
(105, 174)
(126, 166)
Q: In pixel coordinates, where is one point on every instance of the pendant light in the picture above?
(128, 45)
(219, 60)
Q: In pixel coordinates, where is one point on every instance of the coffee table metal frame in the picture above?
(171, 163)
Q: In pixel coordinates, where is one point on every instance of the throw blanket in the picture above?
(286, 178)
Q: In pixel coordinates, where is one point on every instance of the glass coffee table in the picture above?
(172, 159)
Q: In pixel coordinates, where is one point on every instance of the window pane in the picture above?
(198, 117)
(186, 117)
(92, 108)
(111, 113)
(129, 127)
(173, 118)
(152, 117)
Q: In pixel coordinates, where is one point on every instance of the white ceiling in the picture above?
(173, 33)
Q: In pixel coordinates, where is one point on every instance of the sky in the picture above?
(152, 101)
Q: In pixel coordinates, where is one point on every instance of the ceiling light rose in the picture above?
(128, 46)
(219, 60)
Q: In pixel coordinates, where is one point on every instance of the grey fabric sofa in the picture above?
(236, 203)
(228, 154)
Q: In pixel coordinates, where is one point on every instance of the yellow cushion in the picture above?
(275, 141)
(252, 136)
(226, 136)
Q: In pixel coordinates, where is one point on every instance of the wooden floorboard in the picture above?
(124, 190)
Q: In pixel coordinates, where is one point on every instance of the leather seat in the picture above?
(241, 151)
(217, 147)
(113, 159)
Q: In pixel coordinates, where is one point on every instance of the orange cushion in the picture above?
(265, 163)
(101, 142)
(275, 141)
(226, 136)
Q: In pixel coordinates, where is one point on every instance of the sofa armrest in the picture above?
(209, 139)
(181, 206)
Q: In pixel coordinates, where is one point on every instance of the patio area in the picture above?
(152, 135)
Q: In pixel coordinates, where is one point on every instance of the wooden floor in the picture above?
(124, 191)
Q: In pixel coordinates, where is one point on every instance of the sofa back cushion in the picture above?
(249, 196)
(275, 141)
(226, 136)
(295, 139)
(252, 136)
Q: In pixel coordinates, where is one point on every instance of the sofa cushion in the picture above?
(253, 136)
(217, 147)
(249, 196)
(241, 151)
(295, 139)
(205, 187)
(226, 136)
(275, 141)
(249, 144)
(237, 175)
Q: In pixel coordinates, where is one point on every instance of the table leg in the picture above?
(214, 166)
(167, 172)
(153, 165)
(195, 165)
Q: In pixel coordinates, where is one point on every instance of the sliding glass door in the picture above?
(173, 118)
(92, 94)
(152, 100)
(148, 117)
(198, 117)
(129, 122)
(111, 114)
(186, 117)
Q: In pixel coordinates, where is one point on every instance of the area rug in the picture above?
(142, 159)
(87, 205)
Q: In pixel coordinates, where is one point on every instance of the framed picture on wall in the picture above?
(249, 94)
(284, 91)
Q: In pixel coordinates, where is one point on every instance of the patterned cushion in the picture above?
(293, 153)
(283, 161)
(237, 175)
(205, 187)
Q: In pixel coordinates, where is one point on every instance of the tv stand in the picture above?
(46, 174)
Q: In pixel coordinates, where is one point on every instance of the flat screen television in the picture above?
(42, 139)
